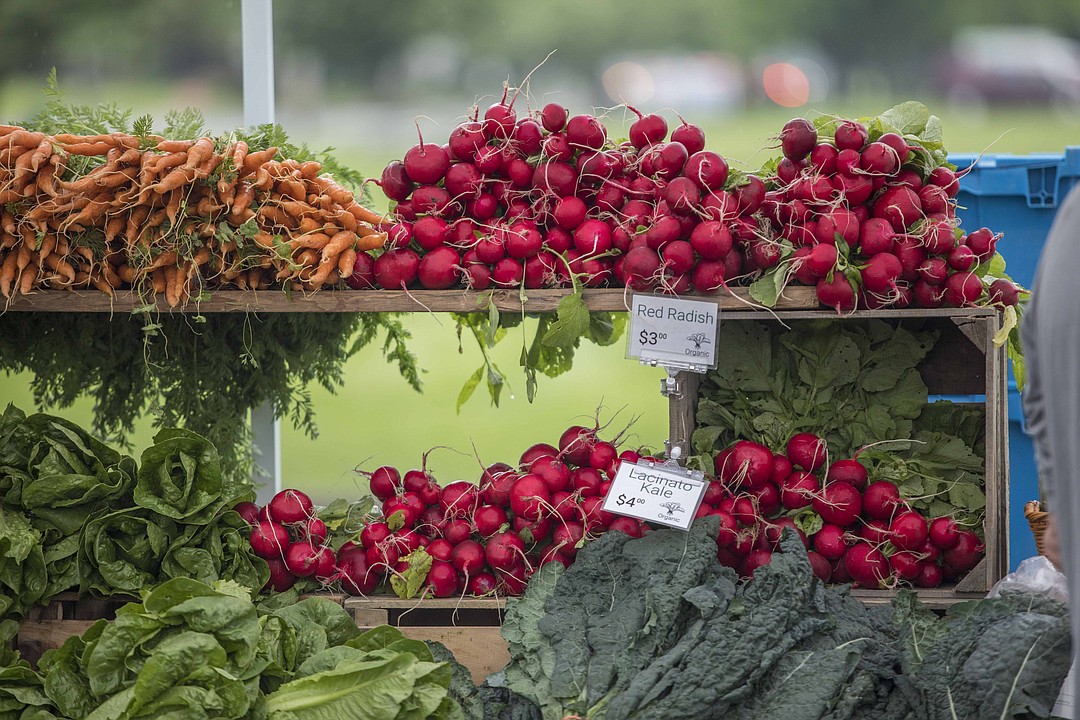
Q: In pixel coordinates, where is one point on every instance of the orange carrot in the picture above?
(371, 242)
(28, 278)
(255, 160)
(89, 149)
(7, 274)
(177, 178)
(174, 146)
(346, 261)
(199, 152)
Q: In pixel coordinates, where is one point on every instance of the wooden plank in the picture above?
(392, 602)
(935, 598)
(367, 617)
(481, 649)
(35, 638)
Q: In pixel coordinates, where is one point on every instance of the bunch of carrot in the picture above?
(120, 211)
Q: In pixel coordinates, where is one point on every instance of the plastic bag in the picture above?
(1034, 575)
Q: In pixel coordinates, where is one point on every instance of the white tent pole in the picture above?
(257, 27)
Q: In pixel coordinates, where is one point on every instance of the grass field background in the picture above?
(377, 419)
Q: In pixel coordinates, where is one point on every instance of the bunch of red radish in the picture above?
(873, 223)
(489, 538)
(511, 201)
(289, 535)
(869, 536)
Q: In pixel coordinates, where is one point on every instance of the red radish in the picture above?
(944, 533)
(593, 237)
(983, 243)
(554, 472)
(938, 238)
(426, 163)
(385, 482)
(908, 530)
(748, 463)
(442, 579)
(729, 528)
(495, 484)
(962, 288)
(586, 481)
(576, 444)
(690, 136)
(823, 158)
(499, 121)
(781, 468)
(602, 455)
(290, 507)
(877, 158)
(798, 138)
(839, 504)
(535, 452)
(463, 180)
(965, 554)
(507, 273)
(396, 268)
(456, 530)
(875, 531)
(930, 575)
(750, 195)
(899, 205)
(830, 541)
(459, 499)
(585, 131)
(798, 490)
(527, 136)
(553, 117)
(881, 500)
(711, 240)
(906, 565)
(647, 129)
(768, 499)
(866, 565)
(439, 269)
(395, 182)
(641, 268)
(595, 515)
(569, 212)
(627, 526)
(555, 178)
(744, 511)
(856, 190)
(852, 472)
(519, 172)
(851, 135)
(683, 195)
(466, 139)
(881, 273)
(468, 557)
(249, 511)
(440, 549)
(314, 530)
(807, 451)
(556, 148)
(374, 533)
(876, 236)
(929, 552)
(1003, 292)
(532, 531)
(431, 520)
(706, 169)
(363, 274)
(754, 560)
(513, 581)
(504, 551)
(408, 512)
(897, 143)
(269, 540)
(945, 178)
(774, 529)
(529, 497)
(934, 199)
(567, 537)
(523, 240)
(933, 271)
(489, 519)
(481, 584)
(926, 295)
(301, 558)
(819, 565)
(836, 293)
(280, 578)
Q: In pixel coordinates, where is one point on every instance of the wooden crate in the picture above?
(469, 627)
(964, 362)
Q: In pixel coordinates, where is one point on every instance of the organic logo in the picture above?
(699, 339)
(672, 507)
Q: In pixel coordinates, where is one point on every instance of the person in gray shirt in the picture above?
(1051, 398)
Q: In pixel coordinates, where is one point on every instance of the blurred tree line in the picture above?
(366, 42)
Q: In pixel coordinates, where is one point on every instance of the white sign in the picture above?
(656, 493)
(668, 331)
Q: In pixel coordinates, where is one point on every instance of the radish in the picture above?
(678, 256)
(906, 565)
(555, 178)
(781, 468)
(249, 511)
(442, 579)
(426, 163)
(396, 268)
(556, 148)
(519, 172)
(504, 551)
(750, 195)
(866, 565)
(374, 533)
(595, 515)
(593, 237)
(280, 578)
(553, 117)
(569, 212)
(567, 537)
(929, 552)
(301, 558)
(408, 512)
(499, 120)
(269, 540)
(798, 138)
(463, 181)
(965, 554)
(523, 240)
(898, 144)
(527, 136)
(836, 293)
(854, 189)
(459, 499)
(586, 481)
(934, 199)
(851, 135)
(744, 511)
(627, 526)
(290, 507)
(682, 194)
(877, 158)
(441, 549)
(395, 182)
(875, 236)
(775, 528)
(748, 463)
(532, 531)
(830, 541)
(754, 560)
(456, 529)
(585, 131)
(668, 159)
(839, 503)
(529, 497)
(908, 530)
(933, 271)
(819, 565)
(881, 273)
(930, 575)
(507, 272)
(798, 490)
(554, 472)
(983, 243)
(576, 444)
(729, 528)
(495, 484)
(535, 452)
(363, 274)
(876, 532)
(768, 499)
(421, 483)
(602, 455)
(468, 557)
(926, 295)
(706, 169)
(962, 288)
(1003, 292)
(513, 581)
(711, 240)
(938, 238)
(823, 158)
(489, 519)
(314, 530)
(807, 451)
(690, 136)
(852, 472)
(481, 584)
(440, 268)
(838, 222)
(466, 139)
(647, 129)
(899, 205)
(664, 229)
(881, 500)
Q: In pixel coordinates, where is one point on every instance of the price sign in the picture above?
(657, 493)
(673, 332)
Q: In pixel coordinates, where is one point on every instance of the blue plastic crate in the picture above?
(1017, 195)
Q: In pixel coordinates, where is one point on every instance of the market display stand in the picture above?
(964, 362)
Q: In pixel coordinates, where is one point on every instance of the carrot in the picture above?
(9, 196)
(180, 176)
(208, 166)
(25, 254)
(362, 214)
(308, 257)
(7, 274)
(174, 284)
(329, 256)
(339, 194)
(275, 216)
(371, 242)
(62, 268)
(292, 188)
(310, 170)
(165, 259)
(346, 262)
(243, 199)
(89, 149)
(158, 280)
(348, 221)
(199, 152)
(28, 278)
(134, 224)
(309, 224)
(46, 180)
(115, 178)
(24, 138)
(174, 146)
(314, 240)
(255, 160)
(126, 273)
(263, 179)
(172, 208)
(7, 240)
(48, 244)
(7, 221)
(114, 226)
(239, 152)
(254, 278)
